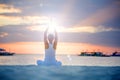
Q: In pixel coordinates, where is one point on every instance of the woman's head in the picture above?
(50, 37)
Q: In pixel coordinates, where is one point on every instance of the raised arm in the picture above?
(45, 39)
(56, 39)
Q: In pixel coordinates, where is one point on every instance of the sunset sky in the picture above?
(82, 25)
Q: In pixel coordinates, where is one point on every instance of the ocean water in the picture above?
(59, 73)
(72, 60)
(23, 67)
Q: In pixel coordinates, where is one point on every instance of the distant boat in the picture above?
(3, 52)
(99, 54)
(116, 53)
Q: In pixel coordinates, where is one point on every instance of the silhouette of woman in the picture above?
(50, 42)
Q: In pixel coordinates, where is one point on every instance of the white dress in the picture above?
(49, 57)
(50, 54)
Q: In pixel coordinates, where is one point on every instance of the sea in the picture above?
(24, 67)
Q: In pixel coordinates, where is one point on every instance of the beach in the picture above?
(23, 67)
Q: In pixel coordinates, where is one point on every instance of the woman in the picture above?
(50, 42)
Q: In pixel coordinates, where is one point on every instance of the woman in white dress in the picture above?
(50, 42)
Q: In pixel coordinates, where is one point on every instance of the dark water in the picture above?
(32, 72)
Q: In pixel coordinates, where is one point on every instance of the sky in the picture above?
(82, 25)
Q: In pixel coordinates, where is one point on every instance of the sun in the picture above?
(52, 25)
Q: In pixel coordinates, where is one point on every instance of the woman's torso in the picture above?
(50, 53)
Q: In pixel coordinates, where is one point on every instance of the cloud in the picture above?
(109, 38)
(89, 29)
(72, 13)
(95, 22)
(17, 20)
(22, 34)
(8, 9)
(3, 34)
(33, 8)
(18, 33)
(14, 28)
(101, 16)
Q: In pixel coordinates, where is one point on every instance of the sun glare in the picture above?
(53, 25)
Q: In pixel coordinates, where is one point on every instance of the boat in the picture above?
(3, 52)
(99, 54)
(116, 53)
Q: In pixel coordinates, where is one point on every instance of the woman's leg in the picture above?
(39, 62)
(58, 63)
